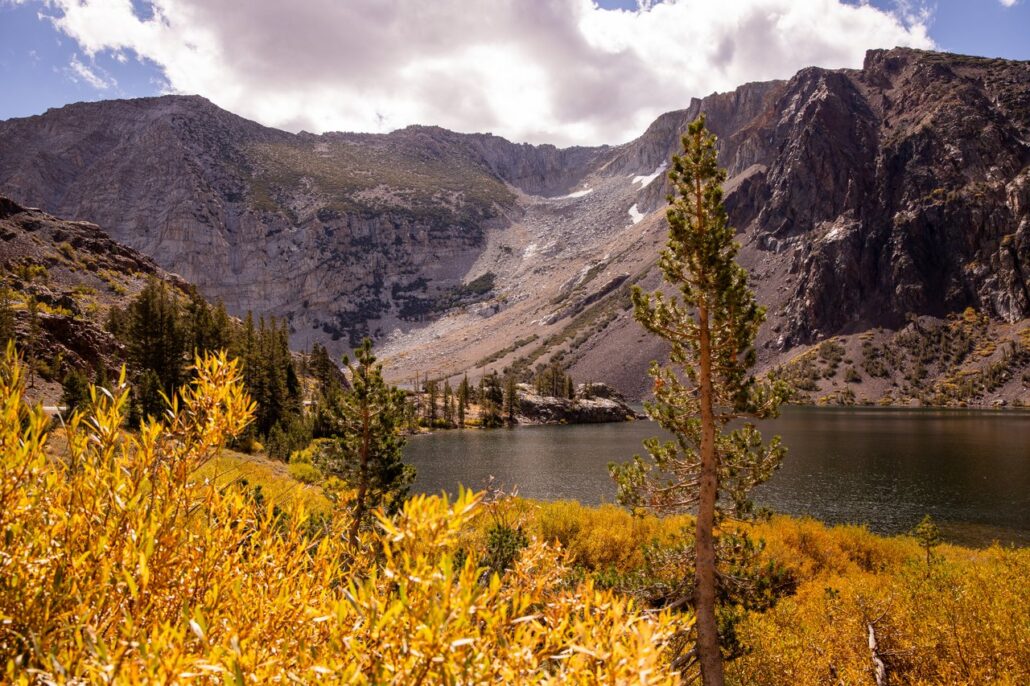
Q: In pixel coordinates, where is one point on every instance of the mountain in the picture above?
(864, 199)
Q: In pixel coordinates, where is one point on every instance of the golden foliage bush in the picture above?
(965, 619)
(604, 537)
(967, 622)
(119, 565)
(809, 549)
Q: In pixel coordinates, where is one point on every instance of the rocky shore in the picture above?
(594, 403)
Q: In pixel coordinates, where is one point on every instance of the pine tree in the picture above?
(366, 419)
(710, 326)
(491, 396)
(463, 400)
(207, 329)
(929, 537)
(322, 368)
(448, 407)
(7, 330)
(147, 399)
(74, 391)
(156, 338)
(511, 399)
(431, 395)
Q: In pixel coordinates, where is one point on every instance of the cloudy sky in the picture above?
(557, 71)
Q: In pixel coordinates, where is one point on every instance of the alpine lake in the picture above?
(881, 467)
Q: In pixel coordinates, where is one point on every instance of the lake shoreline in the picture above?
(884, 467)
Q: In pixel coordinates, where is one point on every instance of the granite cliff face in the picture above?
(333, 232)
(862, 198)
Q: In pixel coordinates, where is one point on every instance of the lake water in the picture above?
(885, 468)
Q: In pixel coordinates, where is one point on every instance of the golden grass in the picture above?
(271, 475)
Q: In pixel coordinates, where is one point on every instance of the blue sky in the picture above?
(51, 55)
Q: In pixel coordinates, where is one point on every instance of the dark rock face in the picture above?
(900, 188)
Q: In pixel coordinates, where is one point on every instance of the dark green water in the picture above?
(882, 467)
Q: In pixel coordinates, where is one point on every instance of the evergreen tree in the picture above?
(366, 420)
(156, 339)
(710, 326)
(431, 395)
(463, 400)
(269, 375)
(448, 407)
(511, 399)
(7, 330)
(162, 334)
(929, 537)
(118, 323)
(552, 380)
(491, 396)
(411, 412)
(74, 391)
(147, 398)
(323, 369)
(207, 329)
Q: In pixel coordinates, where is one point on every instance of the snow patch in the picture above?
(635, 214)
(577, 194)
(644, 181)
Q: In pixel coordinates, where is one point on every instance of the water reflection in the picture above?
(884, 468)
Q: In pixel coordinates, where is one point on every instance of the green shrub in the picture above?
(305, 473)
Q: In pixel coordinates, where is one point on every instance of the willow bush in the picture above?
(118, 564)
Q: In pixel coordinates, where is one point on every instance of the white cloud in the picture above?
(79, 71)
(1008, 3)
(561, 71)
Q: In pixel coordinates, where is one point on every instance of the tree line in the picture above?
(163, 332)
(438, 405)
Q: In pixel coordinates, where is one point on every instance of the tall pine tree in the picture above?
(491, 396)
(157, 346)
(7, 330)
(710, 323)
(463, 400)
(511, 399)
(366, 421)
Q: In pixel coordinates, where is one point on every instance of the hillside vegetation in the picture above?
(962, 361)
(119, 565)
(137, 558)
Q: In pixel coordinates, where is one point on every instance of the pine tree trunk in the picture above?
(708, 650)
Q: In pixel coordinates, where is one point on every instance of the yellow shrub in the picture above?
(118, 565)
(605, 536)
(273, 477)
(811, 550)
(962, 620)
(305, 472)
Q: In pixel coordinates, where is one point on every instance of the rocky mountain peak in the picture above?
(861, 197)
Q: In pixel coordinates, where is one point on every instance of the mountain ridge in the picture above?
(862, 197)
